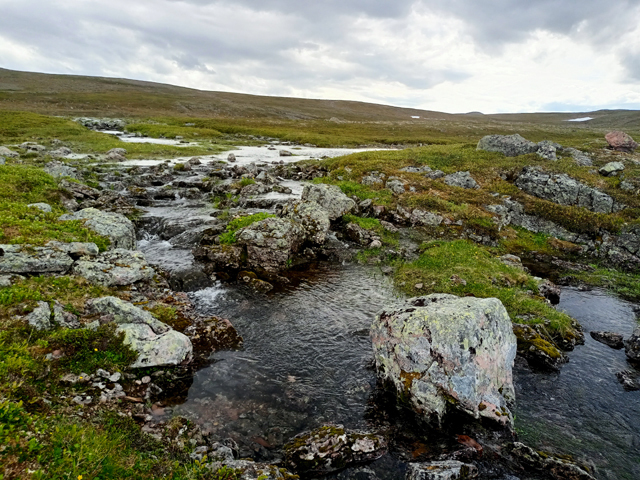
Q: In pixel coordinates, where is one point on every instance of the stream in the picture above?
(307, 360)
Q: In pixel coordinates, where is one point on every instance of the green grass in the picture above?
(625, 284)
(374, 225)
(485, 277)
(229, 237)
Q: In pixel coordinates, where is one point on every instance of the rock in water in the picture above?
(441, 351)
(331, 448)
(509, 145)
(611, 339)
(330, 198)
(632, 346)
(621, 141)
(311, 216)
(445, 470)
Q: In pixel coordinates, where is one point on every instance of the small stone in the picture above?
(115, 377)
(375, 244)
(418, 286)
(611, 169)
(231, 158)
(146, 379)
(102, 373)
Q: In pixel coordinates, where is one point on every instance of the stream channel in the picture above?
(307, 357)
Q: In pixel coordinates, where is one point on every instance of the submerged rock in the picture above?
(443, 351)
(330, 198)
(331, 448)
(632, 346)
(549, 465)
(629, 380)
(611, 339)
(444, 470)
(508, 145)
(115, 267)
(118, 228)
(156, 343)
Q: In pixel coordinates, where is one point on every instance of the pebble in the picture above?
(115, 377)
(146, 379)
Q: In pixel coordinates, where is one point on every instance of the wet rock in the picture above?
(508, 145)
(271, 243)
(156, 343)
(21, 259)
(44, 207)
(311, 216)
(285, 153)
(331, 448)
(213, 334)
(231, 158)
(550, 291)
(330, 198)
(418, 350)
(629, 380)
(63, 318)
(611, 169)
(617, 140)
(40, 318)
(611, 339)
(564, 190)
(189, 278)
(360, 235)
(221, 257)
(115, 267)
(461, 179)
(444, 470)
(59, 170)
(395, 185)
(118, 228)
(632, 346)
(5, 152)
(537, 350)
(557, 468)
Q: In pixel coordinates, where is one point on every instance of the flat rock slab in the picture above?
(55, 257)
(116, 227)
(115, 267)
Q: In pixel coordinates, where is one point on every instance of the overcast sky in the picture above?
(447, 55)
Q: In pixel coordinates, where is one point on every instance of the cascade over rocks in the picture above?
(118, 228)
(443, 352)
(564, 190)
(156, 343)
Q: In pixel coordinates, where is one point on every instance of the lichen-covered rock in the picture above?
(221, 257)
(537, 350)
(395, 185)
(114, 267)
(44, 207)
(63, 318)
(371, 180)
(442, 351)
(59, 170)
(5, 152)
(508, 145)
(621, 141)
(156, 343)
(311, 216)
(61, 152)
(250, 470)
(564, 190)
(629, 380)
(428, 219)
(443, 470)
(632, 346)
(547, 150)
(118, 228)
(611, 339)
(29, 259)
(550, 465)
(611, 169)
(271, 243)
(582, 159)
(461, 179)
(331, 448)
(40, 318)
(330, 198)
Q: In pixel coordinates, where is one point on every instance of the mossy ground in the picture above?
(229, 237)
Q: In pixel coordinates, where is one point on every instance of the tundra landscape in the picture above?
(209, 285)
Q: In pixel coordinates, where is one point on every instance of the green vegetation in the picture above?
(625, 284)
(374, 225)
(464, 268)
(229, 237)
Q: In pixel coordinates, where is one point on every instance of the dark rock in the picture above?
(611, 339)
(538, 351)
(557, 468)
(629, 380)
(550, 291)
(632, 346)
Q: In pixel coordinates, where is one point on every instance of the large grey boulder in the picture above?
(156, 343)
(330, 448)
(115, 267)
(59, 170)
(461, 179)
(118, 228)
(330, 198)
(442, 470)
(271, 243)
(508, 145)
(5, 152)
(441, 352)
(40, 318)
(311, 216)
(27, 259)
(564, 190)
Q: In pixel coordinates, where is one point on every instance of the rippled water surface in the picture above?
(583, 410)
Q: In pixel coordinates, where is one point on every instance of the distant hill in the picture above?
(114, 97)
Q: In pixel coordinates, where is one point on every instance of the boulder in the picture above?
(370, 180)
(441, 352)
(629, 380)
(461, 179)
(311, 216)
(508, 145)
(117, 151)
(114, 268)
(44, 207)
(22, 259)
(331, 448)
(550, 291)
(547, 464)
(231, 158)
(611, 169)
(5, 152)
(40, 318)
(285, 153)
(221, 257)
(547, 150)
(611, 339)
(443, 470)
(564, 190)
(118, 228)
(271, 243)
(63, 318)
(330, 198)
(617, 140)
(59, 170)
(156, 343)
(632, 346)
(395, 185)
